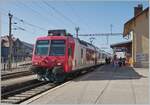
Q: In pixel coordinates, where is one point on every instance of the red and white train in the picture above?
(59, 54)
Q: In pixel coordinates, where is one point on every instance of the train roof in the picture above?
(82, 42)
(62, 34)
(50, 37)
(88, 45)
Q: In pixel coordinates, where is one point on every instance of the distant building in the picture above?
(20, 49)
(137, 29)
(136, 50)
(122, 49)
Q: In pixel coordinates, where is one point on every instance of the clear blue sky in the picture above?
(90, 16)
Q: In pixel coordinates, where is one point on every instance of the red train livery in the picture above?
(59, 54)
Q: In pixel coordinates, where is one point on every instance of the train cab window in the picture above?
(42, 47)
(57, 48)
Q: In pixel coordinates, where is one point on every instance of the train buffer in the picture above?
(106, 85)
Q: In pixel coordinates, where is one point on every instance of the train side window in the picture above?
(99, 55)
(69, 51)
(81, 53)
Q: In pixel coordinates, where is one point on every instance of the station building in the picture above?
(137, 31)
(124, 49)
(20, 49)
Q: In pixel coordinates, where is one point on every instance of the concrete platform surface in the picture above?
(105, 85)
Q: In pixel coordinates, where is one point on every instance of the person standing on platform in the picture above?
(115, 61)
(106, 60)
(124, 61)
(109, 60)
(120, 62)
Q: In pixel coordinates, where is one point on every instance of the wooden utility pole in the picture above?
(10, 41)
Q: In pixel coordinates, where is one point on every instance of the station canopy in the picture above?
(121, 47)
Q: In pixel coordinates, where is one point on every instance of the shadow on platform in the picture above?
(108, 72)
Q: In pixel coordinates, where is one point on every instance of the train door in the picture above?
(82, 56)
(95, 56)
(70, 53)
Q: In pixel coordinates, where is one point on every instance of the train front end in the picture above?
(49, 58)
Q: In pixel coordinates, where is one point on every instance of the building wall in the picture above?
(4, 52)
(19, 51)
(141, 41)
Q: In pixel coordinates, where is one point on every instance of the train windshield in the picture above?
(57, 48)
(42, 47)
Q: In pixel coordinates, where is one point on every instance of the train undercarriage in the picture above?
(55, 74)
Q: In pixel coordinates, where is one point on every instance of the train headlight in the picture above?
(59, 63)
(35, 63)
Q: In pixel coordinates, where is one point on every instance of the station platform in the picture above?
(105, 85)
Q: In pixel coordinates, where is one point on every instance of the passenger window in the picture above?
(81, 53)
(99, 56)
(69, 51)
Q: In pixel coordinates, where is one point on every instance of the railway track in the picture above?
(21, 94)
(15, 75)
(8, 88)
(25, 92)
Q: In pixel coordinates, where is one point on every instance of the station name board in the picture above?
(120, 49)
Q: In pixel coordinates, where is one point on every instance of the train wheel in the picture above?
(58, 75)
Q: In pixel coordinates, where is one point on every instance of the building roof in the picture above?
(5, 41)
(121, 43)
(126, 31)
(27, 44)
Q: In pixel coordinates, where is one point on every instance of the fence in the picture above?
(16, 62)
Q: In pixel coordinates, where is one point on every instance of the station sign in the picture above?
(120, 49)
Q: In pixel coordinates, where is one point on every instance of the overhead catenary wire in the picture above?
(22, 20)
(101, 34)
(51, 14)
(49, 6)
(29, 7)
(15, 27)
(47, 16)
(20, 28)
(76, 15)
(23, 29)
(25, 22)
(35, 11)
(60, 13)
